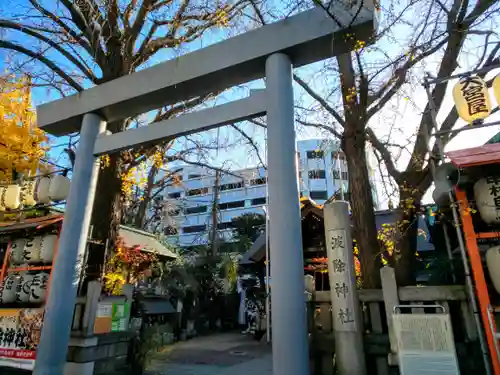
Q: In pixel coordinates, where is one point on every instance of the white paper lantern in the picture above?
(17, 251)
(32, 250)
(11, 197)
(309, 283)
(9, 288)
(38, 287)
(48, 246)
(2, 190)
(493, 264)
(28, 192)
(487, 194)
(59, 188)
(24, 287)
(43, 190)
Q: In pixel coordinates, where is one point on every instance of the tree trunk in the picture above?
(361, 200)
(360, 189)
(140, 217)
(106, 214)
(406, 246)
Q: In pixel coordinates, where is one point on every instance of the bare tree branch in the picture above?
(384, 153)
(251, 143)
(28, 31)
(327, 128)
(37, 56)
(399, 78)
(319, 99)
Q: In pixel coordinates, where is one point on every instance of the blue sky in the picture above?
(400, 110)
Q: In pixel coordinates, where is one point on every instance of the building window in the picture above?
(175, 195)
(194, 192)
(258, 201)
(319, 195)
(194, 175)
(170, 230)
(232, 186)
(344, 176)
(258, 181)
(336, 174)
(229, 205)
(194, 229)
(317, 174)
(338, 155)
(317, 154)
(195, 210)
(222, 226)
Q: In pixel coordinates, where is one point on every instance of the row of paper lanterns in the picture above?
(472, 99)
(38, 249)
(42, 190)
(24, 288)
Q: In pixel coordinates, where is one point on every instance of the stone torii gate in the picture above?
(270, 51)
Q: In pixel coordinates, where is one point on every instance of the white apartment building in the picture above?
(322, 173)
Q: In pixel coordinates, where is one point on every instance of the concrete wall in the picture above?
(103, 354)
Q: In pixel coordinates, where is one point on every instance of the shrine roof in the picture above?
(31, 223)
(476, 156)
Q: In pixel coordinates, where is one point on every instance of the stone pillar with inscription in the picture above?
(347, 320)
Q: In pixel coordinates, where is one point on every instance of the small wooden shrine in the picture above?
(313, 245)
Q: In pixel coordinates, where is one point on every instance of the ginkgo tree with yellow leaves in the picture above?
(22, 144)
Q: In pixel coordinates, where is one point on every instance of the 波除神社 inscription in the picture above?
(341, 270)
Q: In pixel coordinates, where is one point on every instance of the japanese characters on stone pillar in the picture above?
(342, 276)
(341, 287)
(347, 323)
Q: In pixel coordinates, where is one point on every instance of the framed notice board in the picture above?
(112, 317)
(425, 343)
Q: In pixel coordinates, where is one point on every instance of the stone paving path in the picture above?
(223, 354)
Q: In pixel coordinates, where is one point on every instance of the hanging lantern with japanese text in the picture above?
(472, 99)
(493, 262)
(487, 194)
(496, 88)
